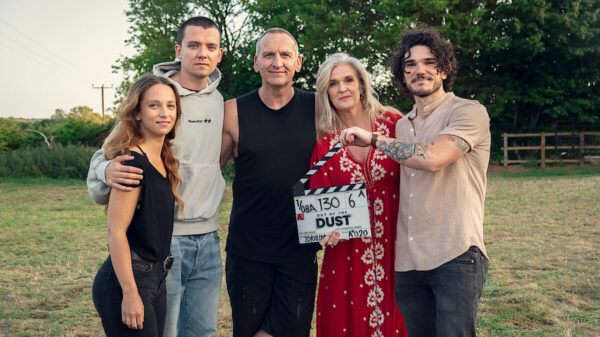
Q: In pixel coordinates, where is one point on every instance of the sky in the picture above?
(52, 51)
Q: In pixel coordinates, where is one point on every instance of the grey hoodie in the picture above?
(197, 145)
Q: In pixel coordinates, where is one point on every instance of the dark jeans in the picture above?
(443, 301)
(276, 297)
(108, 296)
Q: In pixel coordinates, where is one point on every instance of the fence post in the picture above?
(543, 149)
(505, 149)
(581, 148)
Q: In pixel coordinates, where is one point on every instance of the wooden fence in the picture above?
(580, 148)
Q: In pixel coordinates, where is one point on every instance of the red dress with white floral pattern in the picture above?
(356, 285)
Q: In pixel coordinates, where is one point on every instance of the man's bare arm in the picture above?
(230, 132)
(423, 156)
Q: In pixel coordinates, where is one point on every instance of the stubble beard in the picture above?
(424, 92)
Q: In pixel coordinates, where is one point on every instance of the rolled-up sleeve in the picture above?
(470, 122)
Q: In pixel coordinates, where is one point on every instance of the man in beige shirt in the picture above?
(443, 147)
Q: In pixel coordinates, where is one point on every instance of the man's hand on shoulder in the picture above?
(117, 175)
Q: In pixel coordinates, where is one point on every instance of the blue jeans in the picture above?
(194, 286)
(443, 301)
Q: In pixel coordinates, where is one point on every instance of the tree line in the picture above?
(57, 147)
(530, 62)
(78, 126)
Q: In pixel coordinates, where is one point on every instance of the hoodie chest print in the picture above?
(205, 121)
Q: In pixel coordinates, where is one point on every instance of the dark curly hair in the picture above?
(442, 49)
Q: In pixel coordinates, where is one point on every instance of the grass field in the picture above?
(542, 232)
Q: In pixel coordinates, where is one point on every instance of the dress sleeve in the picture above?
(320, 178)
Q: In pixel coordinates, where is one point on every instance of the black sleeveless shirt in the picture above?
(150, 230)
(274, 151)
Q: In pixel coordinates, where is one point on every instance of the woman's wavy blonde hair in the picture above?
(129, 135)
(328, 120)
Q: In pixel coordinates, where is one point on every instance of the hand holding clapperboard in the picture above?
(319, 211)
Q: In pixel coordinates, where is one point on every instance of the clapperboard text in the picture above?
(319, 211)
(326, 203)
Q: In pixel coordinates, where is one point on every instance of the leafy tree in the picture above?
(59, 115)
(365, 29)
(237, 42)
(10, 134)
(79, 126)
(530, 62)
(85, 113)
(13, 134)
(153, 33)
(542, 63)
(82, 131)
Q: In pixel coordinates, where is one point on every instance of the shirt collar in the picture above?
(429, 108)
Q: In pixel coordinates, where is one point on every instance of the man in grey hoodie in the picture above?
(194, 281)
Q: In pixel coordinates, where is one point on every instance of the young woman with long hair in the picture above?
(129, 289)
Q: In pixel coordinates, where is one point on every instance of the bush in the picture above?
(85, 132)
(16, 133)
(229, 171)
(69, 161)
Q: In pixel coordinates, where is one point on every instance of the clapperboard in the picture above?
(319, 211)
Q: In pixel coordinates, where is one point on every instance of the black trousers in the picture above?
(108, 296)
(275, 297)
(443, 301)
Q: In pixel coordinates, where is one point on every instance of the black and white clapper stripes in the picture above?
(319, 211)
(300, 186)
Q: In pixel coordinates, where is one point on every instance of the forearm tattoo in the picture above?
(460, 143)
(401, 152)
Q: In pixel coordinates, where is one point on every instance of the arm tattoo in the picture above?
(401, 152)
(460, 143)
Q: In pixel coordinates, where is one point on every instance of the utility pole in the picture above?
(102, 93)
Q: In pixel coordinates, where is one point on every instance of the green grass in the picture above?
(542, 231)
(554, 171)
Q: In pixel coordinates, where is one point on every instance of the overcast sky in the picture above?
(52, 51)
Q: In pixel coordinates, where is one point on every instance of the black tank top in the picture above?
(274, 151)
(150, 230)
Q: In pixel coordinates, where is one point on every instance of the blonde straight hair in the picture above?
(328, 120)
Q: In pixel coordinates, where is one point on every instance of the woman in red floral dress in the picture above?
(356, 285)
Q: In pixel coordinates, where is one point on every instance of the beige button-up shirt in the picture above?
(441, 213)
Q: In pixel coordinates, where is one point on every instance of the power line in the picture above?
(69, 63)
(46, 65)
(50, 61)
